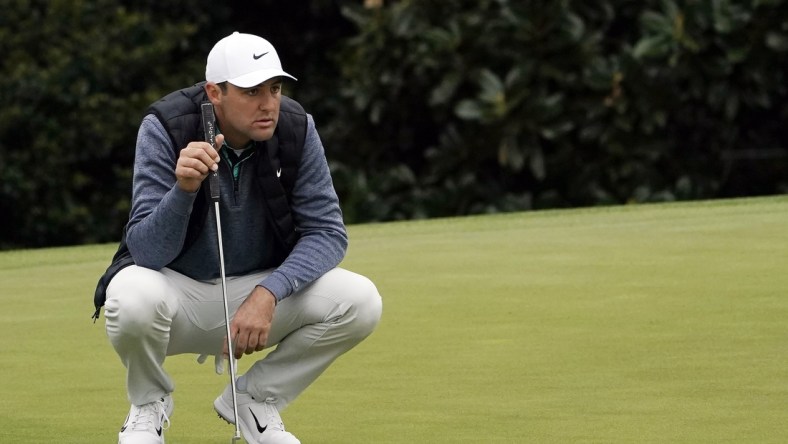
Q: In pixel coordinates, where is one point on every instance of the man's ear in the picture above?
(214, 92)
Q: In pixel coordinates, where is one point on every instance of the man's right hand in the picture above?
(195, 162)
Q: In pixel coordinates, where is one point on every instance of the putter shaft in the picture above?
(230, 358)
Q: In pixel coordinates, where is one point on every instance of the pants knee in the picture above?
(137, 303)
(367, 308)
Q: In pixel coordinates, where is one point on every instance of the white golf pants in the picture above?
(153, 314)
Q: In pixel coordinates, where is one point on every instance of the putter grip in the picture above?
(213, 184)
(209, 127)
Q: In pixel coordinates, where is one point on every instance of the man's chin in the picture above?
(262, 136)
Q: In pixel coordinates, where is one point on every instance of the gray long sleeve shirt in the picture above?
(160, 213)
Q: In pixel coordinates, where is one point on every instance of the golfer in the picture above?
(283, 238)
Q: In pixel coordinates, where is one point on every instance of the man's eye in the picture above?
(252, 91)
(276, 88)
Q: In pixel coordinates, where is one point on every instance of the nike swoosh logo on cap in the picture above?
(257, 57)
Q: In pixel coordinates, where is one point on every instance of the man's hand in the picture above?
(195, 162)
(252, 323)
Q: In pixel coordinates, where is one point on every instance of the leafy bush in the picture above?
(426, 108)
(490, 105)
(77, 77)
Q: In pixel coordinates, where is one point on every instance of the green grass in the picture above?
(638, 324)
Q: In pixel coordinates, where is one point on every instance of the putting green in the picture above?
(648, 324)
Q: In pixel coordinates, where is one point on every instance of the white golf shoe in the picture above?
(260, 422)
(146, 423)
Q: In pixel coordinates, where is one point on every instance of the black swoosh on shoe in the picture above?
(257, 423)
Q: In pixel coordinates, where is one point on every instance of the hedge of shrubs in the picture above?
(426, 108)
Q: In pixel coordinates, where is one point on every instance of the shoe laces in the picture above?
(147, 417)
(274, 419)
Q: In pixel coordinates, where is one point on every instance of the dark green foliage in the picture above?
(491, 105)
(77, 76)
(426, 108)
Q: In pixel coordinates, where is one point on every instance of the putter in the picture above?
(209, 125)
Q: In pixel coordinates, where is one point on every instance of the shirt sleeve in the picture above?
(318, 218)
(160, 210)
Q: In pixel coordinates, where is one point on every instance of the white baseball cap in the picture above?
(245, 60)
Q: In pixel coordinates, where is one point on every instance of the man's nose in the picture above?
(265, 101)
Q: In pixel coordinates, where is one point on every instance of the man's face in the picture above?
(246, 114)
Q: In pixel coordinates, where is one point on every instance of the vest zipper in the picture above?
(235, 170)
